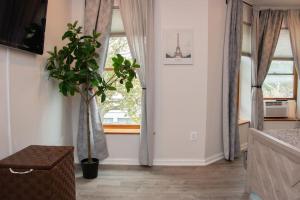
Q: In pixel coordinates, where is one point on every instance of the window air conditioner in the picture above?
(276, 109)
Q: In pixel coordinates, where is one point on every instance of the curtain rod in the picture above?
(245, 2)
(248, 4)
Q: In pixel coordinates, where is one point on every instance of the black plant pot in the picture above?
(90, 169)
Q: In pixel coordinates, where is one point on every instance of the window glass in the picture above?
(245, 88)
(281, 67)
(280, 81)
(120, 107)
(246, 46)
(283, 48)
(117, 23)
(117, 45)
(278, 86)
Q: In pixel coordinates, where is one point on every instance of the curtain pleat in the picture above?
(265, 34)
(293, 21)
(137, 16)
(98, 16)
(231, 64)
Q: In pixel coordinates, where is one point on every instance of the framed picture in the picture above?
(178, 47)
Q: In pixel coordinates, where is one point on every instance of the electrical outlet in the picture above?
(193, 136)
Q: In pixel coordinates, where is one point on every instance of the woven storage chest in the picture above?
(38, 173)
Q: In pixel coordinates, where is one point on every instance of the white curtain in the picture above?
(231, 64)
(293, 21)
(137, 16)
(98, 16)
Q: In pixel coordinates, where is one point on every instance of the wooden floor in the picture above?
(220, 181)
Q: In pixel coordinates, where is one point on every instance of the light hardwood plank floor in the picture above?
(220, 181)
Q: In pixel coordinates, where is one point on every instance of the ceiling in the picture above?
(274, 2)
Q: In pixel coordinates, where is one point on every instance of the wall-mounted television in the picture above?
(23, 23)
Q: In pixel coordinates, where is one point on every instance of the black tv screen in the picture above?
(23, 23)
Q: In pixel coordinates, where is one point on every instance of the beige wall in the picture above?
(37, 113)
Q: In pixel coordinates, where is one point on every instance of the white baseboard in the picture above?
(214, 158)
(116, 161)
(167, 162)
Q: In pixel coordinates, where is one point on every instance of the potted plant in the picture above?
(77, 71)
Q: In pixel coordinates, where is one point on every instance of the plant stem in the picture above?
(88, 130)
(111, 79)
(92, 96)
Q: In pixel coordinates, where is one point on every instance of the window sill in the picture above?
(280, 119)
(281, 99)
(242, 122)
(120, 129)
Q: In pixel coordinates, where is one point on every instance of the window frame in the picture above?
(295, 84)
(120, 129)
(128, 129)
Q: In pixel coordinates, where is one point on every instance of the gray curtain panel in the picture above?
(231, 64)
(137, 16)
(265, 34)
(293, 21)
(98, 16)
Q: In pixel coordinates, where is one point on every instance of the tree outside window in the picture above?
(121, 107)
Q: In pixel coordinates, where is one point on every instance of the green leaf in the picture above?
(120, 58)
(136, 66)
(55, 51)
(103, 97)
(127, 63)
(94, 82)
(128, 86)
(85, 37)
(51, 53)
(75, 65)
(70, 59)
(67, 35)
(75, 23)
(63, 88)
(111, 88)
(78, 30)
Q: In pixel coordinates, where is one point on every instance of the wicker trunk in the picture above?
(38, 173)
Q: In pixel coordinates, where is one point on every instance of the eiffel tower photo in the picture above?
(178, 53)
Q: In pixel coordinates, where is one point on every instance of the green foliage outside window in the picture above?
(129, 103)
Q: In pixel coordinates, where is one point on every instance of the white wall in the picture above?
(38, 114)
(5, 147)
(216, 30)
(188, 97)
(180, 91)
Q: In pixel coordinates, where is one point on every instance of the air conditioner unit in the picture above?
(276, 109)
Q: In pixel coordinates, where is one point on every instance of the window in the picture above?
(244, 96)
(281, 81)
(121, 112)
